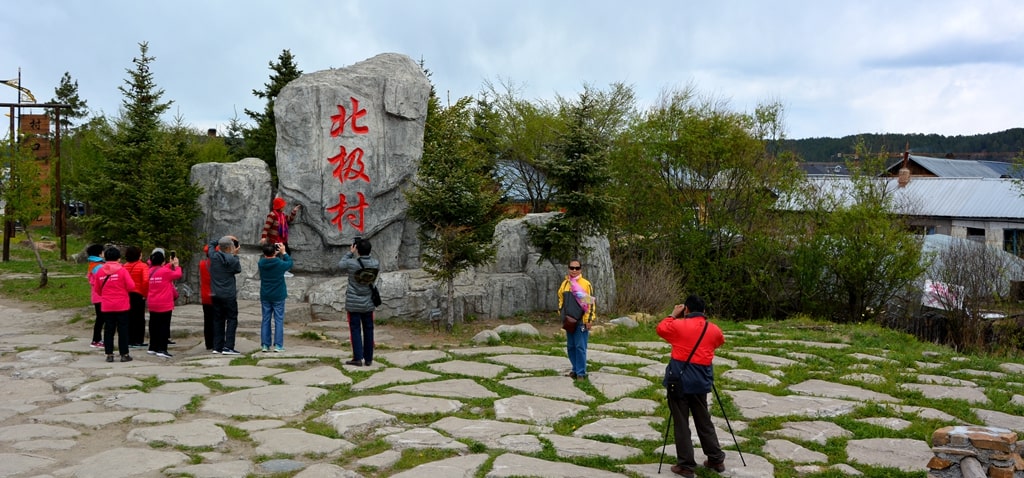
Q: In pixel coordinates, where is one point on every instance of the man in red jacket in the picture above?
(689, 377)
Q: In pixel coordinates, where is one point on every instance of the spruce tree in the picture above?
(578, 170)
(261, 138)
(140, 192)
(454, 199)
(67, 93)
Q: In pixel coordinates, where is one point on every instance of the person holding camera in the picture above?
(224, 265)
(273, 292)
(689, 378)
(362, 273)
(163, 272)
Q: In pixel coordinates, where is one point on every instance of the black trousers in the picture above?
(159, 330)
(115, 322)
(225, 323)
(208, 314)
(97, 328)
(681, 409)
(137, 320)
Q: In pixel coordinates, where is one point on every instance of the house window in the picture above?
(976, 234)
(1013, 241)
(922, 230)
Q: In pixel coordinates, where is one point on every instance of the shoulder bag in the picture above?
(683, 377)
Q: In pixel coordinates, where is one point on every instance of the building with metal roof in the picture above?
(989, 210)
(954, 168)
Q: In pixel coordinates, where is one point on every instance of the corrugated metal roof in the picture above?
(992, 198)
(955, 168)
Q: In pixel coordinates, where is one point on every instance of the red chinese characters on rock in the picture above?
(338, 121)
(343, 212)
(348, 167)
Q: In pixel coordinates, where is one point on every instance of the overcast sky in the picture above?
(839, 67)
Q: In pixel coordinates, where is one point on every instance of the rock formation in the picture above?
(348, 145)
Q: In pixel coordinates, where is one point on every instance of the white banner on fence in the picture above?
(943, 296)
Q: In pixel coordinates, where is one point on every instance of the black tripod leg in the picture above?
(668, 426)
(715, 389)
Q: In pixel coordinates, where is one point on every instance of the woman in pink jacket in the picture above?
(161, 301)
(112, 284)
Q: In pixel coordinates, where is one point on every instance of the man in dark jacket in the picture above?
(688, 379)
(359, 300)
(224, 265)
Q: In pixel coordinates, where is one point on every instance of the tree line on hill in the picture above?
(1000, 146)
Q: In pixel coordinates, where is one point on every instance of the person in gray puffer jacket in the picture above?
(359, 299)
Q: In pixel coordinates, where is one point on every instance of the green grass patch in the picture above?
(59, 293)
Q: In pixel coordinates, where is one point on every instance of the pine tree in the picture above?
(261, 139)
(140, 193)
(579, 171)
(454, 200)
(67, 93)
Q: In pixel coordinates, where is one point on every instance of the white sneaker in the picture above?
(230, 352)
(289, 274)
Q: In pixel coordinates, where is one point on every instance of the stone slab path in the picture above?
(496, 411)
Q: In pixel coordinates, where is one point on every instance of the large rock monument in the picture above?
(349, 142)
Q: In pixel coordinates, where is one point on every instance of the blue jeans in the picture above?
(275, 311)
(576, 347)
(360, 325)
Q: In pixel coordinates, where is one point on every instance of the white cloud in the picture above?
(947, 67)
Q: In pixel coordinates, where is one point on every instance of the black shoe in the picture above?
(126, 358)
(719, 467)
(171, 342)
(110, 358)
(368, 362)
(355, 363)
(571, 375)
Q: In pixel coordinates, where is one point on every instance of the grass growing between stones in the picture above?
(412, 458)
(148, 383)
(235, 433)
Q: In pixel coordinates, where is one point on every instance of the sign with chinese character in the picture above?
(40, 147)
(35, 124)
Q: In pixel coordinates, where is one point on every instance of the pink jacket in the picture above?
(161, 287)
(114, 291)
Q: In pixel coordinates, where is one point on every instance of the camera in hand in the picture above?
(171, 254)
(357, 240)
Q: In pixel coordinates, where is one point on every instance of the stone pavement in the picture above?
(67, 413)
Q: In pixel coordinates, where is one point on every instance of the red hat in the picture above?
(279, 203)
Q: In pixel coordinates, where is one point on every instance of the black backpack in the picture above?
(367, 276)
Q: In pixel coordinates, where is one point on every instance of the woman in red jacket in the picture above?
(161, 302)
(206, 297)
(113, 283)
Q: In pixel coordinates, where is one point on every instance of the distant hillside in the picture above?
(1003, 145)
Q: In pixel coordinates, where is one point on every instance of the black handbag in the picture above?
(572, 313)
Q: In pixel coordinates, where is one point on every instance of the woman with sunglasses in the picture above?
(576, 341)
